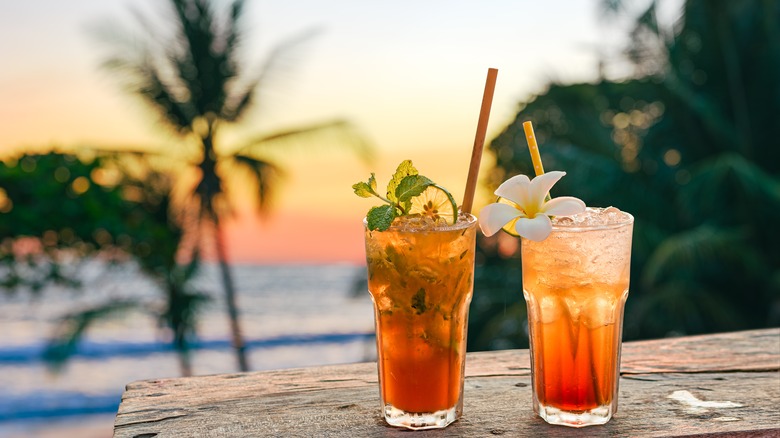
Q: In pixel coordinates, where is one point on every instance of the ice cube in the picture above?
(565, 220)
(385, 303)
(550, 309)
(593, 217)
(574, 307)
(600, 311)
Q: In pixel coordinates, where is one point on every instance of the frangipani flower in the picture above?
(533, 214)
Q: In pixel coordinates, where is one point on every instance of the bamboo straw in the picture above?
(479, 140)
(536, 159)
(530, 137)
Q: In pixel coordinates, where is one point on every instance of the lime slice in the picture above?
(436, 203)
(509, 228)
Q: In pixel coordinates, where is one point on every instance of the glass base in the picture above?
(593, 417)
(420, 420)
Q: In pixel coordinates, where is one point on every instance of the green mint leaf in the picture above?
(418, 302)
(362, 189)
(404, 169)
(372, 182)
(411, 186)
(366, 189)
(380, 218)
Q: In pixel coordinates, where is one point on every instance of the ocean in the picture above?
(292, 316)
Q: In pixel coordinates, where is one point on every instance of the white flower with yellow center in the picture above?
(529, 209)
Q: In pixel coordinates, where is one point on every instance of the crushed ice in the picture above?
(593, 217)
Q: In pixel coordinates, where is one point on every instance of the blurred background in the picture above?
(175, 175)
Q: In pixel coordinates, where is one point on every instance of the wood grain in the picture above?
(755, 350)
(742, 368)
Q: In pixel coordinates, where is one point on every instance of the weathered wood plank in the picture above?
(344, 400)
(650, 405)
(754, 350)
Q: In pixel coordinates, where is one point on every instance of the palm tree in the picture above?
(196, 82)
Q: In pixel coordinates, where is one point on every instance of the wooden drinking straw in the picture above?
(530, 137)
(479, 140)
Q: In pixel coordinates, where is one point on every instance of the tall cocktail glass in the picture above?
(420, 277)
(575, 284)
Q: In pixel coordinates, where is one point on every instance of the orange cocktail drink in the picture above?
(575, 284)
(420, 276)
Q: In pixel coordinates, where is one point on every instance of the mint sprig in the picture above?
(405, 184)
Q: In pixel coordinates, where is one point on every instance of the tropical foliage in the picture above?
(59, 214)
(688, 146)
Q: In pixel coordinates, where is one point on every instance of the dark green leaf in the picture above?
(380, 218)
(411, 186)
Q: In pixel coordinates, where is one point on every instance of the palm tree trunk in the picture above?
(185, 364)
(237, 338)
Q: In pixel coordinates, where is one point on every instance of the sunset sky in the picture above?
(409, 74)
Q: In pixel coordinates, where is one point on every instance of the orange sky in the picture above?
(409, 74)
(317, 218)
(290, 237)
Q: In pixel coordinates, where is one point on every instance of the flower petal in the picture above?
(563, 206)
(494, 216)
(542, 184)
(515, 189)
(536, 229)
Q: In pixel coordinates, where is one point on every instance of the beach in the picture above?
(292, 315)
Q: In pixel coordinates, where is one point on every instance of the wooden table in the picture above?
(713, 385)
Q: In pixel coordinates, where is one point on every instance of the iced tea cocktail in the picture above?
(575, 283)
(420, 276)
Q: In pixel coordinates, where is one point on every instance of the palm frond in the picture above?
(704, 248)
(276, 65)
(144, 78)
(648, 19)
(240, 93)
(201, 59)
(730, 179)
(181, 316)
(647, 49)
(680, 307)
(610, 8)
(183, 303)
(752, 179)
(232, 26)
(189, 270)
(72, 328)
(189, 76)
(331, 133)
(667, 310)
(263, 176)
(238, 102)
(243, 91)
(704, 108)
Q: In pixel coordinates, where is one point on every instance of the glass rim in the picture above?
(629, 220)
(459, 225)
